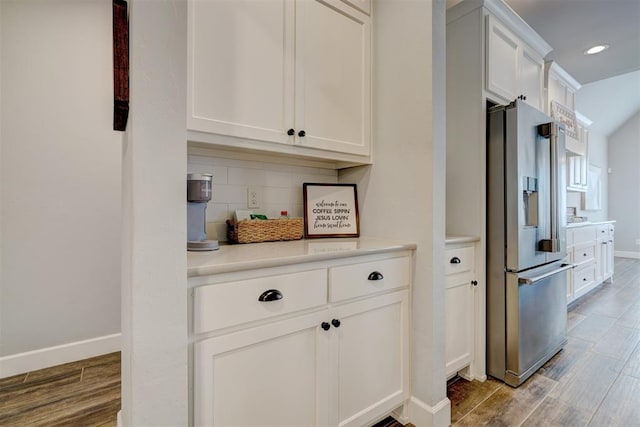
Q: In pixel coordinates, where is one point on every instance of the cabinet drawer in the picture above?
(351, 281)
(232, 303)
(584, 254)
(605, 231)
(583, 234)
(458, 260)
(583, 277)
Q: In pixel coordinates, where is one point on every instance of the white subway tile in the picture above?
(228, 194)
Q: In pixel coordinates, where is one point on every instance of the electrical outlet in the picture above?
(254, 197)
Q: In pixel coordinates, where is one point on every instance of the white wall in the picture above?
(624, 186)
(60, 169)
(280, 184)
(402, 194)
(154, 262)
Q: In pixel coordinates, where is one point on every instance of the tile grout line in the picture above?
(480, 403)
(539, 403)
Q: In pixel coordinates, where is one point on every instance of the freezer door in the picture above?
(534, 199)
(536, 319)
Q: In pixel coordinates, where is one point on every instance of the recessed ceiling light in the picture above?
(596, 49)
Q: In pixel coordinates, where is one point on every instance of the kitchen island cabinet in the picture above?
(285, 86)
(302, 325)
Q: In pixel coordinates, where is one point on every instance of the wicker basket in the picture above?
(261, 230)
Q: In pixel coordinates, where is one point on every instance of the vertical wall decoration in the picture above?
(120, 65)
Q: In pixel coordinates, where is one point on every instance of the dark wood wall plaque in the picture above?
(120, 65)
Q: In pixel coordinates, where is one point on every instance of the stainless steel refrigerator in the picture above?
(526, 241)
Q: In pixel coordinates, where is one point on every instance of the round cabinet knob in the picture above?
(290, 132)
(455, 260)
(584, 279)
(474, 282)
(325, 326)
(336, 323)
(302, 134)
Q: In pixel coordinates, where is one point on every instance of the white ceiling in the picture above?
(611, 91)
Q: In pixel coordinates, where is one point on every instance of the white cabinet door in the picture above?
(332, 104)
(369, 358)
(272, 375)
(531, 78)
(281, 71)
(458, 324)
(502, 60)
(240, 68)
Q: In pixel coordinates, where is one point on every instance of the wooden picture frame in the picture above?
(120, 65)
(330, 210)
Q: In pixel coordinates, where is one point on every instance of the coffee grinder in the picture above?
(198, 195)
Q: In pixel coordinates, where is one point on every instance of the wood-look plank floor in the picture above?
(83, 393)
(594, 381)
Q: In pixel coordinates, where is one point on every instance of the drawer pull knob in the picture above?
(325, 326)
(376, 275)
(474, 282)
(336, 323)
(584, 279)
(455, 260)
(270, 295)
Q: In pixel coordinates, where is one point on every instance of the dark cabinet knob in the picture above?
(455, 260)
(376, 275)
(325, 326)
(584, 279)
(290, 132)
(270, 295)
(336, 323)
(302, 133)
(474, 282)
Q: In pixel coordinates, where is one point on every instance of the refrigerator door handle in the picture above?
(534, 279)
(552, 244)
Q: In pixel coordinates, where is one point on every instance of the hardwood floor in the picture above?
(593, 381)
(83, 393)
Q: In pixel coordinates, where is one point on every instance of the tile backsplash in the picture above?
(280, 185)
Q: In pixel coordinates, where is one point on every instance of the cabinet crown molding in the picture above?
(508, 17)
(552, 67)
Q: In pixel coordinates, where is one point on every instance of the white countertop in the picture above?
(271, 254)
(586, 223)
(449, 240)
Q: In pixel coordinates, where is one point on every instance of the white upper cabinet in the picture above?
(280, 74)
(559, 86)
(332, 78)
(513, 70)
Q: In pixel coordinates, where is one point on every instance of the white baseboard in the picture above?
(423, 415)
(57, 355)
(627, 254)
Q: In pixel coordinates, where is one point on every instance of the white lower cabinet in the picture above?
(338, 358)
(272, 375)
(459, 308)
(590, 250)
(369, 358)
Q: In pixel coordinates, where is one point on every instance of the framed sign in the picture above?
(330, 210)
(566, 116)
